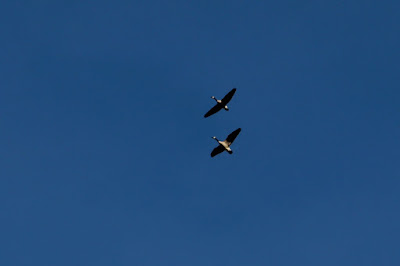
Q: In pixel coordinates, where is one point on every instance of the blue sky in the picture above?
(105, 154)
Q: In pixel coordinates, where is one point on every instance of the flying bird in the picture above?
(225, 145)
(221, 103)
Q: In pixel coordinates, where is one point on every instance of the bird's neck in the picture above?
(218, 101)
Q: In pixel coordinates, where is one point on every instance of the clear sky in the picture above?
(105, 154)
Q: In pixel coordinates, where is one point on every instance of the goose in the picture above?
(225, 145)
(221, 103)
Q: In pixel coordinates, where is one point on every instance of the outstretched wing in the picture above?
(217, 150)
(233, 135)
(213, 110)
(228, 97)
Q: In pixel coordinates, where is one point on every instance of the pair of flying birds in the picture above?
(222, 104)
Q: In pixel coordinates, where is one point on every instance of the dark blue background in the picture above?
(104, 151)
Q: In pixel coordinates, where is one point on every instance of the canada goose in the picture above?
(225, 145)
(221, 103)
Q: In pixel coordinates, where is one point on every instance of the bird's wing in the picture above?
(233, 136)
(217, 150)
(228, 97)
(213, 110)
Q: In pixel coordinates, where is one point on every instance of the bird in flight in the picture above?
(221, 103)
(225, 145)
